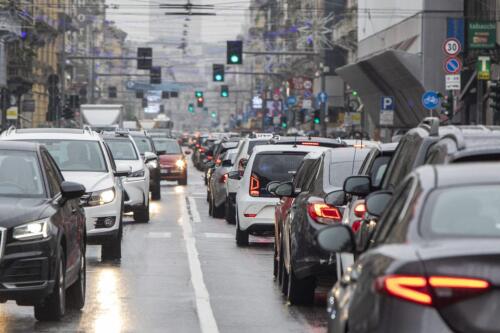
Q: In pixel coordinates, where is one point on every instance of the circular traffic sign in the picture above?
(452, 65)
(308, 84)
(452, 46)
(430, 100)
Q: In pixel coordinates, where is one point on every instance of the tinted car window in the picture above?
(122, 149)
(268, 167)
(52, 175)
(170, 147)
(75, 155)
(378, 169)
(143, 144)
(20, 174)
(402, 162)
(465, 211)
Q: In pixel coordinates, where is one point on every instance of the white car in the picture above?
(136, 184)
(255, 206)
(83, 157)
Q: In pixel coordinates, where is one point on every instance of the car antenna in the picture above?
(295, 141)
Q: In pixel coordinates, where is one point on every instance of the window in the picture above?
(122, 149)
(52, 175)
(378, 169)
(339, 171)
(20, 175)
(143, 144)
(403, 161)
(170, 147)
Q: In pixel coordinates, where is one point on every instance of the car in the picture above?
(319, 202)
(218, 149)
(432, 262)
(254, 203)
(83, 157)
(136, 184)
(218, 180)
(245, 149)
(173, 163)
(307, 141)
(42, 232)
(145, 144)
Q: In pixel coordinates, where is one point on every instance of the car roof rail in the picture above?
(432, 123)
(11, 129)
(87, 128)
(122, 132)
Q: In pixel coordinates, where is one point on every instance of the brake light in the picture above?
(250, 215)
(435, 290)
(323, 213)
(223, 178)
(197, 145)
(209, 158)
(218, 162)
(360, 210)
(254, 186)
(310, 143)
(356, 225)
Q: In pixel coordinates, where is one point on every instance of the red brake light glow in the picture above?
(218, 162)
(202, 150)
(310, 143)
(417, 289)
(356, 225)
(209, 158)
(254, 186)
(197, 145)
(250, 215)
(360, 210)
(223, 178)
(323, 213)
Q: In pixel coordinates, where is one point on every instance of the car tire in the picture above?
(210, 205)
(230, 214)
(76, 293)
(53, 307)
(282, 273)
(218, 211)
(300, 291)
(156, 193)
(241, 236)
(112, 249)
(141, 215)
(183, 181)
(275, 263)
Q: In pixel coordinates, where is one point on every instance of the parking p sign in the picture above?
(387, 105)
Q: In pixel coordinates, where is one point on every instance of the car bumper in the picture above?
(257, 212)
(27, 271)
(173, 173)
(96, 217)
(137, 191)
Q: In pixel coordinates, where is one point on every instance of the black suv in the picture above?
(42, 232)
(145, 144)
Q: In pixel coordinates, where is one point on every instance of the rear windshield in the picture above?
(143, 144)
(339, 171)
(465, 211)
(268, 167)
(169, 147)
(122, 150)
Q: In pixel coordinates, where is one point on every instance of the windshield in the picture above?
(169, 147)
(77, 156)
(143, 144)
(122, 150)
(20, 175)
(465, 211)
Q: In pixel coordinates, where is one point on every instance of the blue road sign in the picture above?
(456, 29)
(387, 103)
(452, 65)
(430, 100)
(292, 100)
(307, 94)
(322, 97)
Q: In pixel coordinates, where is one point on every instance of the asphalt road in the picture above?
(182, 272)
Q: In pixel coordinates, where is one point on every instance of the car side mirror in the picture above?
(148, 157)
(188, 152)
(285, 190)
(122, 171)
(336, 239)
(335, 198)
(71, 190)
(271, 187)
(376, 203)
(234, 175)
(358, 185)
(227, 163)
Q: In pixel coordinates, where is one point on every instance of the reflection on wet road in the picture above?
(182, 272)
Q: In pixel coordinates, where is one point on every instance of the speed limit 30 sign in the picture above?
(452, 47)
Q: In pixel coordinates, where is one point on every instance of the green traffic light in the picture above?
(218, 77)
(284, 125)
(224, 94)
(235, 59)
(316, 120)
(214, 114)
(198, 94)
(354, 93)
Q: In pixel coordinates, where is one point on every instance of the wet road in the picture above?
(182, 272)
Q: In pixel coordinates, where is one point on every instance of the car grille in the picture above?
(26, 271)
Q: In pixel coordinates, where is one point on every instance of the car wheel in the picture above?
(141, 215)
(182, 181)
(300, 291)
(275, 263)
(241, 236)
(76, 293)
(230, 213)
(218, 211)
(210, 205)
(156, 193)
(112, 249)
(53, 307)
(282, 273)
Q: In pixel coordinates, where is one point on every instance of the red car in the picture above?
(173, 164)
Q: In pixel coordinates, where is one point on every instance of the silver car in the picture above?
(217, 184)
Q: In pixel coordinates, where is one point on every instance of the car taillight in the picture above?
(250, 215)
(209, 158)
(310, 143)
(323, 213)
(223, 178)
(356, 225)
(434, 290)
(197, 146)
(254, 186)
(202, 150)
(218, 162)
(360, 210)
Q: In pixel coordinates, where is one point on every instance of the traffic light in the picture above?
(213, 114)
(112, 93)
(224, 91)
(495, 95)
(139, 94)
(218, 73)
(354, 93)
(198, 94)
(446, 104)
(284, 122)
(155, 75)
(174, 94)
(191, 108)
(200, 101)
(144, 102)
(317, 117)
(234, 52)
(165, 95)
(144, 58)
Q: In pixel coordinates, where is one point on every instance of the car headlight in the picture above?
(102, 197)
(33, 230)
(180, 164)
(153, 164)
(139, 173)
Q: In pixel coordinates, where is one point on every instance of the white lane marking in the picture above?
(203, 307)
(218, 235)
(155, 234)
(195, 215)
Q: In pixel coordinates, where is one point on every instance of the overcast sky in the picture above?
(134, 16)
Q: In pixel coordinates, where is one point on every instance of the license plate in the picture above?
(165, 171)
